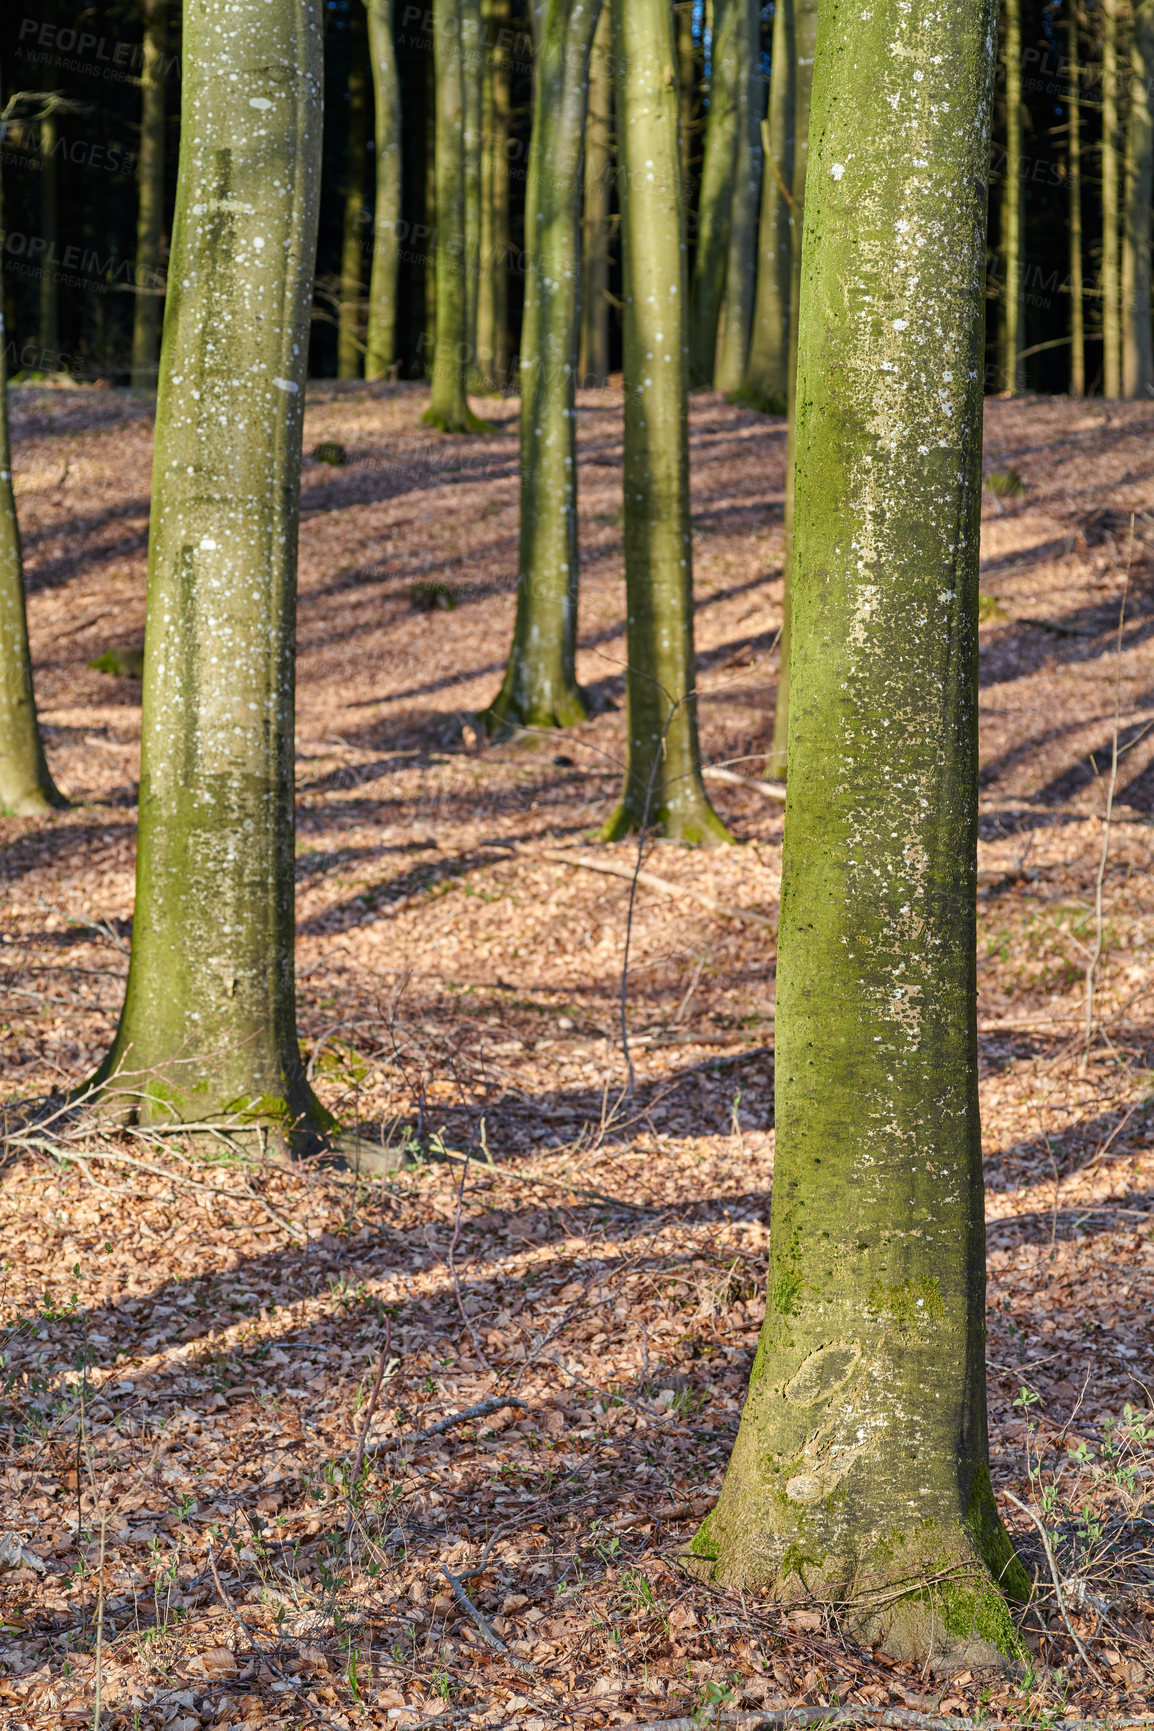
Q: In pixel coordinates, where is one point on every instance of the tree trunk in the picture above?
(1111, 322)
(493, 264)
(1013, 298)
(717, 180)
(804, 45)
(349, 325)
(1137, 359)
(449, 408)
(150, 213)
(381, 342)
(49, 286)
(540, 687)
(741, 264)
(766, 384)
(593, 366)
(663, 789)
(1074, 187)
(860, 1470)
(26, 786)
(208, 1028)
(687, 69)
(472, 66)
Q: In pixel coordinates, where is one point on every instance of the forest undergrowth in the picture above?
(320, 1446)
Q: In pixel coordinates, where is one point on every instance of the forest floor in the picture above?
(191, 1342)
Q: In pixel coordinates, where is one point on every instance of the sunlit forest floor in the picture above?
(192, 1339)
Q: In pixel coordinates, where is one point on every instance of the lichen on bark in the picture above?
(208, 1027)
(860, 1472)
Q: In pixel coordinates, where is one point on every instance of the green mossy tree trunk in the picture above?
(715, 206)
(688, 60)
(493, 263)
(150, 210)
(1137, 358)
(1011, 335)
(381, 339)
(208, 1028)
(472, 68)
(741, 264)
(593, 366)
(663, 786)
(860, 1469)
(452, 348)
(766, 384)
(49, 208)
(1074, 190)
(26, 786)
(349, 315)
(804, 48)
(1111, 287)
(540, 685)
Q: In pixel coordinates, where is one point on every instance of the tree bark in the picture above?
(1137, 358)
(766, 384)
(493, 264)
(1074, 187)
(663, 789)
(804, 44)
(540, 686)
(208, 1028)
(150, 211)
(449, 407)
(349, 317)
(472, 65)
(1111, 320)
(860, 1469)
(741, 263)
(26, 786)
(715, 205)
(687, 73)
(381, 341)
(593, 366)
(49, 205)
(1013, 296)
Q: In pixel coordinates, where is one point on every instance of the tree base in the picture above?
(450, 421)
(748, 396)
(505, 718)
(40, 799)
(285, 1132)
(700, 826)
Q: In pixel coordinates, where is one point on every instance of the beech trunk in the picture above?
(593, 367)
(1137, 358)
(741, 264)
(381, 338)
(349, 348)
(860, 1470)
(1111, 285)
(493, 358)
(1013, 289)
(452, 348)
(1074, 190)
(715, 206)
(663, 786)
(150, 210)
(766, 385)
(208, 1028)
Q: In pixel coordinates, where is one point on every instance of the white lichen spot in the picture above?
(837, 170)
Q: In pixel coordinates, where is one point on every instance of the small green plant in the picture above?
(431, 598)
(1006, 484)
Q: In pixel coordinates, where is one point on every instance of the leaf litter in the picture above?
(560, 1287)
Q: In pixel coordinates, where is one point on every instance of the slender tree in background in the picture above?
(493, 358)
(804, 48)
(1111, 287)
(472, 69)
(1012, 339)
(381, 339)
(150, 211)
(540, 685)
(349, 317)
(663, 786)
(1137, 359)
(449, 408)
(741, 264)
(860, 1470)
(716, 201)
(688, 59)
(26, 786)
(1074, 189)
(208, 1026)
(49, 208)
(766, 377)
(593, 366)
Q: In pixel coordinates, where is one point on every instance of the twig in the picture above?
(665, 887)
(451, 1156)
(633, 877)
(465, 1317)
(1045, 1538)
(771, 789)
(369, 1411)
(489, 1635)
(234, 1613)
(481, 1410)
(1096, 956)
(99, 1626)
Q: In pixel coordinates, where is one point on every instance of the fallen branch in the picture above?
(482, 1410)
(358, 1462)
(487, 1634)
(451, 1156)
(664, 886)
(1058, 1593)
(774, 790)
